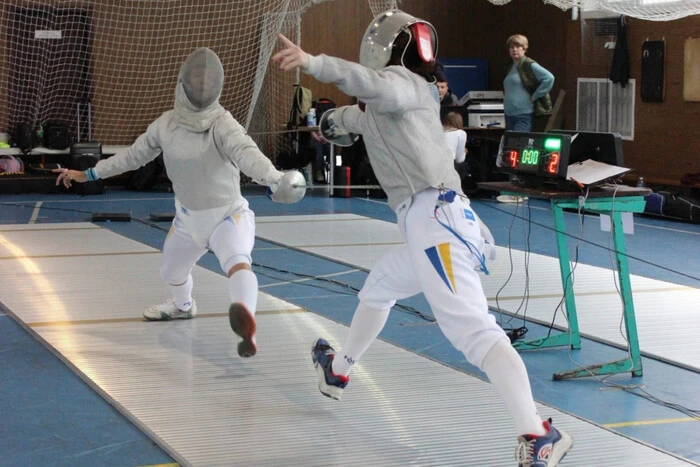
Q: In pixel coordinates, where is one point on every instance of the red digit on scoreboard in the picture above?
(553, 165)
(513, 158)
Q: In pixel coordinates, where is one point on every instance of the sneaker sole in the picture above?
(243, 324)
(166, 317)
(328, 391)
(560, 449)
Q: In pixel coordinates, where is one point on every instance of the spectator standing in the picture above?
(526, 87)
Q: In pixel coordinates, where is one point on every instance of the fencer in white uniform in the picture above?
(446, 244)
(204, 149)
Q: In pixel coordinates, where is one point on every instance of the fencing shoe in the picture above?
(543, 451)
(243, 324)
(168, 310)
(330, 384)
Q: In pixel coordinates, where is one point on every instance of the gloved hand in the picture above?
(332, 130)
(291, 188)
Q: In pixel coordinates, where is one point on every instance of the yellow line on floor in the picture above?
(593, 294)
(142, 320)
(335, 245)
(650, 422)
(59, 229)
(78, 255)
(282, 220)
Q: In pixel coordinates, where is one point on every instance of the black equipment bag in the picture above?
(56, 135)
(682, 207)
(25, 137)
(82, 157)
(323, 105)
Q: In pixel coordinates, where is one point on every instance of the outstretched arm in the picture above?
(67, 177)
(291, 56)
(145, 149)
(385, 90)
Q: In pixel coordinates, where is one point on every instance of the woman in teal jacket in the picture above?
(526, 87)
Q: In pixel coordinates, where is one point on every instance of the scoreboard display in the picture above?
(542, 155)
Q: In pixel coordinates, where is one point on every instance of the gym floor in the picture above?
(71, 392)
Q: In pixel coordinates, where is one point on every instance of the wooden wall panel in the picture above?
(334, 28)
(666, 133)
(691, 67)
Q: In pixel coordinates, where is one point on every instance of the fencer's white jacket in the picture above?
(400, 125)
(204, 167)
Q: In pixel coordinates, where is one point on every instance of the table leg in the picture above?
(332, 170)
(572, 337)
(626, 292)
(633, 363)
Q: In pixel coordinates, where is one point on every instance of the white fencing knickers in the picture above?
(437, 262)
(231, 241)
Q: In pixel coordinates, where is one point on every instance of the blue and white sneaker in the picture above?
(543, 451)
(330, 384)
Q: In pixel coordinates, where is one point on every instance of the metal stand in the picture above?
(598, 201)
(612, 207)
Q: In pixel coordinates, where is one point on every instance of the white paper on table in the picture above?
(589, 171)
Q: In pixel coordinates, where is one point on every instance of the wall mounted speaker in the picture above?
(653, 64)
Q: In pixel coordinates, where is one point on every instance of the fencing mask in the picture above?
(378, 41)
(202, 78)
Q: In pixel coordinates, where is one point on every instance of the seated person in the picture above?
(457, 141)
(446, 96)
(454, 134)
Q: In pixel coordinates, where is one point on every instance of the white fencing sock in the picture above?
(366, 325)
(182, 294)
(243, 287)
(508, 375)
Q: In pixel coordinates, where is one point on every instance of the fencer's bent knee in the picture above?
(173, 276)
(233, 262)
(479, 348)
(499, 349)
(374, 295)
(238, 267)
(373, 301)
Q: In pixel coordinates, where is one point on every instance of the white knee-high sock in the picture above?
(182, 294)
(243, 287)
(508, 375)
(366, 325)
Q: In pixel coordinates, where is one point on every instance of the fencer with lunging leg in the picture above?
(399, 119)
(205, 150)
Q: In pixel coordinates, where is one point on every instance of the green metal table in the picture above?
(598, 201)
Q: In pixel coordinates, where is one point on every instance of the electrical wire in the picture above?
(487, 203)
(512, 332)
(635, 390)
(353, 290)
(492, 205)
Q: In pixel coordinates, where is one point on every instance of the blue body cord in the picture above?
(447, 198)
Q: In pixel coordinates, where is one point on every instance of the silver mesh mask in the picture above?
(202, 77)
(377, 43)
